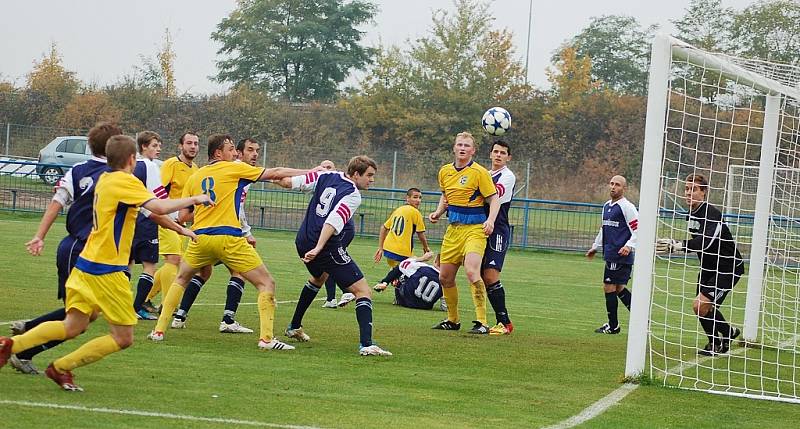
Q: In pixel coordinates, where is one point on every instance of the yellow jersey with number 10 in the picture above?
(466, 189)
(223, 182)
(402, 224)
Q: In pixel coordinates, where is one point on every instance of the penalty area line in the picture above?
(152, 414)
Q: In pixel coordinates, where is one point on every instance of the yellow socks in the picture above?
(266, 314)
(163, 276)
(451, 298)
(46, 332)
(168, 306)
(92, 351)
(478, 290)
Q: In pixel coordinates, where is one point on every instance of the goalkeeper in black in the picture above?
(721, 264)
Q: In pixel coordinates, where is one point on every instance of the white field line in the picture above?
(169, 416)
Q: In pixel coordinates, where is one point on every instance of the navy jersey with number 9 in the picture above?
(334, 202)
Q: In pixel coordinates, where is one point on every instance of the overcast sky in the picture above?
(102, 40)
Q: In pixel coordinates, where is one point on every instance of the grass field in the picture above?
(550, 369)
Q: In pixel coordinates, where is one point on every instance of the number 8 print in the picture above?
(207, 185)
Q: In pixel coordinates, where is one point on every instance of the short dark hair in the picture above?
(359, 164)
(243, 142)
(699, 179)
(187, 133)
(503, 144)
(215, 143)
(119, 149)
(411, 191)
(143, 139)
(99, 135)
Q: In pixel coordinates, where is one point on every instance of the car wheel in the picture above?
(51, 175)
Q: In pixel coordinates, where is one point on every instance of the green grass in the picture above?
(550, 369)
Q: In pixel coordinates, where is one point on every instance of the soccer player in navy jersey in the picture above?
(319, 244)
(416, 283)
(617, 240)
(721, 264)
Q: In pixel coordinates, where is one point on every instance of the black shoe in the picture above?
(150, 308)
(478, 328)
(606, 329)
(447, 325)
(714, 349)
(735, 332)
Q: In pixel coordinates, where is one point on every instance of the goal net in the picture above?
(737, 122)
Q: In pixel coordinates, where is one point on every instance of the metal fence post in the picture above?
(8, 136)
(525, 225)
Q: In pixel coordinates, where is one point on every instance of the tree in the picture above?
(299, 51)
(619, 50)
(50, 86)
(769, 30)
(706, 25)
(86, 109)
(166, 61)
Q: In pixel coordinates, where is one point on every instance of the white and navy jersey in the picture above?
(148, 172)
(76, 190)
(242, 216)
(419, 285)
(504, 181)
(620, 221)
(712, 240)
(334, 201)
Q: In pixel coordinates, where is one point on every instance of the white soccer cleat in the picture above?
(274, 344)
(345, 299)
(233, 328)
(18, 327)
(155, 336)
(297, 334)
(373, 350)
(178, 324)
(330, 304)
(380, 287)
(24, 366)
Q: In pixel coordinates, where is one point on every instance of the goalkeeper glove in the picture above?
(668, 245)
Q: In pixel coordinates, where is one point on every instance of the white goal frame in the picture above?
(664, 49)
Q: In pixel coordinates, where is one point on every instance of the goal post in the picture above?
(737, 122)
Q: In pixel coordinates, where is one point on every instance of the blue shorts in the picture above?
(67, 254)
(616, 273)
(144, 251)
(495, 253)
(336, 262)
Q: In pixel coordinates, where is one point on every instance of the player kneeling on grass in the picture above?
(416, 283)
(98, 283)
(721, 264)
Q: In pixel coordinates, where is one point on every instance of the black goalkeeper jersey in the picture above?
(712, 240)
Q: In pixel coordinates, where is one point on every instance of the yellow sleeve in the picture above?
(388, 223)
(188, 187)
(485, 184)
(167, 170)
(246, 171)
(419, 223)
(132, 191)
(441, 177)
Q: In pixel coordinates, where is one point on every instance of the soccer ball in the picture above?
(496, 121)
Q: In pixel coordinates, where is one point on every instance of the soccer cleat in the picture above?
(447, 325)
(178, 323)
(5, 350)
(606, 329)
(18, 327)
(373, 350)
(63, 379)
(156, 336)
(297, 334)
(330, 304)
(478, 328)
(380, 287)
(510, 327)
(499, 329)
(713, 349)
(346, 298)
(144, 315)
(274, 344)
(150, 308)
(442, 304)
(24, 366)
(233, 328)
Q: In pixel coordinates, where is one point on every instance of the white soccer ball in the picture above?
(496, 121)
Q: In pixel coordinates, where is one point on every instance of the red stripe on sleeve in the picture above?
(500, 189)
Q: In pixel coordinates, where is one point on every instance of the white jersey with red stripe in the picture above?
(149, 174)
(334, 201)
(620, 222)
(504, 181)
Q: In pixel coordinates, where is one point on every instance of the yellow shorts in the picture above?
(460, 239)
(109, 294)
(392, 263)
(170, 242)
(234, 252)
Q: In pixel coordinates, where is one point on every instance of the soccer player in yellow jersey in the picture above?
(220, 235)
(397, 234)
(98, 283)
(175, 171)
(466, 186)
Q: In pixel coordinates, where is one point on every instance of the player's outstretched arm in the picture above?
(163, 207)
(36, 244)
(426, 248)
(278, 173)
(494, 209)
(167, 222)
